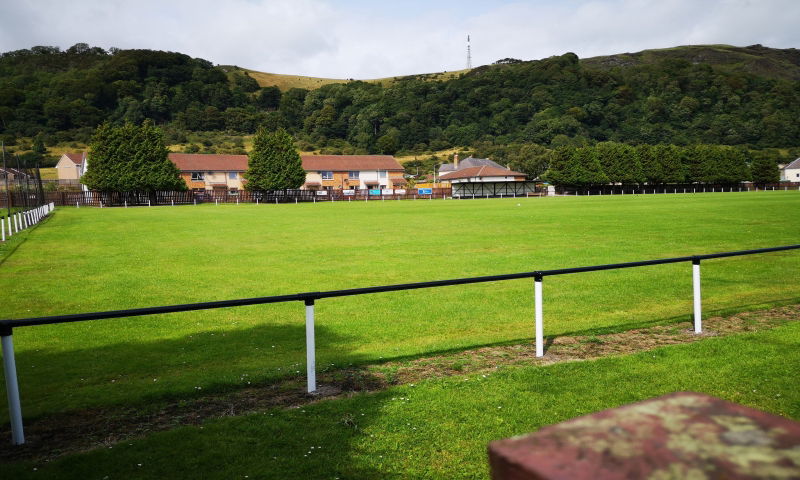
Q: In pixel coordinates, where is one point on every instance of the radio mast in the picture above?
(469, 55)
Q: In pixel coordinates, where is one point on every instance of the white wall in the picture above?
(365, 175)
(792, 175)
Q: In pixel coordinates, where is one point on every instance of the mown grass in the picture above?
(440, 428)
(102, 259)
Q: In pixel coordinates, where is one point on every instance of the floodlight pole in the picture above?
(12, 388)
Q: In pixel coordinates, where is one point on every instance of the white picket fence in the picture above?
(19, 221)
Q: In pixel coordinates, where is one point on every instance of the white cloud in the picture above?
(361, 39)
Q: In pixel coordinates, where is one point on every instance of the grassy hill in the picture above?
(755, 59)
(285, 82)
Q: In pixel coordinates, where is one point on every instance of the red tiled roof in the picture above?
(77, 158)
(481, 172)
(198, 162)
(189, 162)
(343, 163)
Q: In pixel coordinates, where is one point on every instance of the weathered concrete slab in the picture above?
(677, 436)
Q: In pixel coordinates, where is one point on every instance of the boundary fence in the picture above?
(674, 188)
(188, 197)
(310, 298)
(23, 219)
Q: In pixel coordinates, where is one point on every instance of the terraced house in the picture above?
(207, 172)
(220, 173)
(352, 172)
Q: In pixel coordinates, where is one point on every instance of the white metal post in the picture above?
(9, 227)
(3, 228)
(698, 314)
(537, 294)
(12, 389)
(311, 358)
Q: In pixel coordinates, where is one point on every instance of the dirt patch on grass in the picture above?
(56, 435)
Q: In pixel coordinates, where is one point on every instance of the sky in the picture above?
(365, 39)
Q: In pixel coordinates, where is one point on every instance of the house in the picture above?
(212, 172)
(352, 172)
(11, 174)
(791, 172)
(71, 166)
(482, 177)
(469, 162)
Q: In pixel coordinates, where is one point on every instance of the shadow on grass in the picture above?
(330, 439)
(15, 241)
(116, 406)
(138, 373)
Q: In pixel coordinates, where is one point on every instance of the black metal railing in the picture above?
(309, 298)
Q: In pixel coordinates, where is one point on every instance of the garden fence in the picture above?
(310, 298)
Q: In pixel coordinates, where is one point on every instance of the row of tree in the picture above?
(134, 158)
(610, 162)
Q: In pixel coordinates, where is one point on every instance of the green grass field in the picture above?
(440, 428)
(86, 259)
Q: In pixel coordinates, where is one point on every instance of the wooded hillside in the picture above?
(685, 95)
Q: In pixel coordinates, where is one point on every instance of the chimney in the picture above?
(455, 162)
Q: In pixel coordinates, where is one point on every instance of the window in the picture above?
(233, 191)
(352, 175)
(232, 175)
(382, 174)
(198, 176)
(326, 175)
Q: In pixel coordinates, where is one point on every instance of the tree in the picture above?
(576, 167)
(130, 158)
(273, 164)
(764, 170)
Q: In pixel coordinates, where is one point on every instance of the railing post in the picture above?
(698, 314)
(12, 388)
(311, 358)
(537, 298)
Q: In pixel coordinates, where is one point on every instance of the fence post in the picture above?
(3, 227)
(311, 362)
(12, 388)
(10, 234)
(698, 317)
(537, 298)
